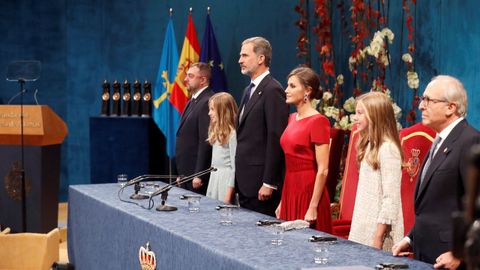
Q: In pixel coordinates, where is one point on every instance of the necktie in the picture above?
(248, 93)
(431, 155)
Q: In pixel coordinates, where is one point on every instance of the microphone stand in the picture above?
(22, 169)
(164, 191)
(136, 181)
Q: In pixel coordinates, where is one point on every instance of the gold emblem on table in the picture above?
(413, 164)
(147, 97)
(147, 258)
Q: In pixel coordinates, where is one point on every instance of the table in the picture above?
(105, 233)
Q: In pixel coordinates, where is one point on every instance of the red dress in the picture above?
(298, 143)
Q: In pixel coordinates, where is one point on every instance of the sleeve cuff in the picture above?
(270, 186)
(409, 241)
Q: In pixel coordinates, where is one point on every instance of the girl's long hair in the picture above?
(382, 126)
(225, 114)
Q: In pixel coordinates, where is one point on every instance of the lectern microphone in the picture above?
(164, 191)
(144, 177)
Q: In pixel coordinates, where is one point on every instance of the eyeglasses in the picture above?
(427, 100)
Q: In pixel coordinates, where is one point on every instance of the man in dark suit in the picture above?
(441, 183)
(193, 152)
(263, 116)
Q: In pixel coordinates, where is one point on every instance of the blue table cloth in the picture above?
(105, 233)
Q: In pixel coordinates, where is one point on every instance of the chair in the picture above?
(29, 251)
(337, 139)
(341, 225)
(416, 141)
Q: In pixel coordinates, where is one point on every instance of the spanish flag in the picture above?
(189, 55)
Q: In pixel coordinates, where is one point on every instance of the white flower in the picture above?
(340, 79)
(351, 62)
(327, 96)
(314, 103)
(396, 110)
(407, 58)
(349, 105)
(388, 34)
(332, 112)
(412, 79)
(344, 123)
(385, 59)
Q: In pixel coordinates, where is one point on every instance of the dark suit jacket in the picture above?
(193, 152)
(441, 194)
(259, 157)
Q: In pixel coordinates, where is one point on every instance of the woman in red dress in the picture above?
(305, 143)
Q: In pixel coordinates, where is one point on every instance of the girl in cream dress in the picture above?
(222, 110)
(377, 216)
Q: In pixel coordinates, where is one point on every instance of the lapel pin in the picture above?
(445, 150)
(259, 93)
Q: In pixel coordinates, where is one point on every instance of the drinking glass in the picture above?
(278, 231)
(122, 179)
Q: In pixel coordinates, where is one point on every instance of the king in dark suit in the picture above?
(441, 183)
(263, 116)
(193, 152)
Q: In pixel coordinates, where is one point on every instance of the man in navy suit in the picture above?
(441, 183)
(263, 115)
(193, 152)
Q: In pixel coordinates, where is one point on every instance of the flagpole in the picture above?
(208, 10)
(170, 11)
(190, 11)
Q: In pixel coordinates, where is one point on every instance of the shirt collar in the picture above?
(446, 131)
(194, 96)
(259, 79)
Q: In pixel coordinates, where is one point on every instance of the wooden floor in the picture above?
(62, 225)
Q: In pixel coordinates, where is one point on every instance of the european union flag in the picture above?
(211, 55)
(165, 115)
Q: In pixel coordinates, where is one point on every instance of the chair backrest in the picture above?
(416, 141)
(350, 179)
(29, 251)
(337, 139)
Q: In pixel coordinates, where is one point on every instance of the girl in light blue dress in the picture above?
(222, 110)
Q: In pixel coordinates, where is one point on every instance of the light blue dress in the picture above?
(223, 158)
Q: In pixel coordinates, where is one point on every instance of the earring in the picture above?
(305, 98)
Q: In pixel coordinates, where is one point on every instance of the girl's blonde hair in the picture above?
(225, 115)
(381, 126)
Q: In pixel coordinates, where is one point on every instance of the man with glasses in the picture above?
(440, 184)
(193, 152)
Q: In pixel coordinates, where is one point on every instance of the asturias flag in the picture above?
(211, 55)
(190, 54)
(165, 115)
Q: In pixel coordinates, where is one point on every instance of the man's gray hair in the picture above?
(454, 92)
(261, 46)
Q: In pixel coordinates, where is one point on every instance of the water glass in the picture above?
(278, 231)
(226, 214)
(193, 203)
(321, 252)
(122, 179)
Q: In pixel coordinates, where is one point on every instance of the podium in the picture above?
(44, 131)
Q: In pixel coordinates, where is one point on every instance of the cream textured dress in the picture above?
(223, 158)
(378, 199)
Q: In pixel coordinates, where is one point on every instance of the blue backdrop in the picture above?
(83, 42)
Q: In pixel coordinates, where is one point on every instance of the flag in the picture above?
(190, 54)
(165, 115)
(211, 55)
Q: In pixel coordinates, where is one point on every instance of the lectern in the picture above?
(44, 131)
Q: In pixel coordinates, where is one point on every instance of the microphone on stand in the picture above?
(136, 181)
(164, 190)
